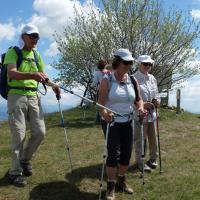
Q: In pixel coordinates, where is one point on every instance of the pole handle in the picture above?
(50, 83)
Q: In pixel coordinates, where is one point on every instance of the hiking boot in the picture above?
(147, 168)
(17, 180)
(27, 168)
(122, 186)
(138, 166)
(152, 163)
(110, 193)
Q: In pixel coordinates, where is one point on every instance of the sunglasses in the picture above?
(127, 62)
(147, 64)
(33, 36)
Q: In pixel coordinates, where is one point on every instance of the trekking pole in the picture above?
(65, 132)
(142, 146)
(105, 153)
(53, 85)
(158, 135)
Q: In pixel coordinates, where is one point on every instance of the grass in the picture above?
(53, 180)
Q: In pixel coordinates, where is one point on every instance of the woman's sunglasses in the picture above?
(147, 64)
(127, 62)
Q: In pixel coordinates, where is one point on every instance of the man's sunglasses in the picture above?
(147, 64)
(33, 36)
(127, 62)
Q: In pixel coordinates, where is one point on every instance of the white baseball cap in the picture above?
(29, 29)
(124, 54)
(145, 59)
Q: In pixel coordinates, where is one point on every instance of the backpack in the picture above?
(3, 72)
(134, 82)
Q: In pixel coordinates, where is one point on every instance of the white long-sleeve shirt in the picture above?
(148, 90)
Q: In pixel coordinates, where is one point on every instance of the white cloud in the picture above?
(51, 72)
(51, 16)
(189, 96)
(52, 50)
(195, 13)
(67, 99)
(54, 15)
(49, 101)
(7, 31)
(50, 68)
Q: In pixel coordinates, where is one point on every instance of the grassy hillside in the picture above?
(52, 179)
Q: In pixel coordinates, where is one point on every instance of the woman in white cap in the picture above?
(149, 94)
(117, 93)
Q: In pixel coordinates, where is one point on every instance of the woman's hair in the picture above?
(109, 67)
(116, 62)
(101, 64)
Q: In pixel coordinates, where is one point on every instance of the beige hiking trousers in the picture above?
(22, 109)
(150, 133)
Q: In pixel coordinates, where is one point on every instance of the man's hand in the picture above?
(39, 77)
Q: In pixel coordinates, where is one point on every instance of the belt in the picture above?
(126, 115)
(23, 88)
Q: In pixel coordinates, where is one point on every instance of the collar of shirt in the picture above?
(143, 76)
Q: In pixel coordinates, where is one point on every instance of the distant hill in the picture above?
(46, 109)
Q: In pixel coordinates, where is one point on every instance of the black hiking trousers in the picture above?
(120, 143)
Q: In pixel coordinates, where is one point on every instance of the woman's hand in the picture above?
(148, 105)
(108, 116)
(156, 103)
(142, 113)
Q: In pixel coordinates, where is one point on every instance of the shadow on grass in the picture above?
(68, 190)
(81, 124)
(60, 190)
(92, 172)
(4, 181)
(74, 124)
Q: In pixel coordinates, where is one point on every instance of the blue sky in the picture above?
(53, 15)
(182, 4)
